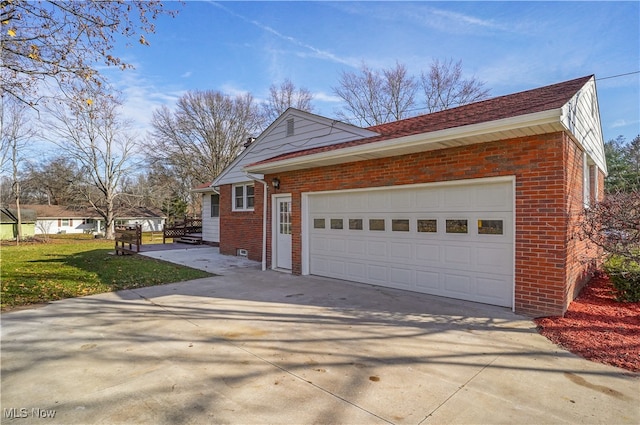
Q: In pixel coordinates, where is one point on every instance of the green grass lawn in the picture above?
(75, 266)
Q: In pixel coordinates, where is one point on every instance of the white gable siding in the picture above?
(309, 131)
(581, 116)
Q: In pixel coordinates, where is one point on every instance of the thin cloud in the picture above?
(624, 123)
(186, 74)
(318, 53)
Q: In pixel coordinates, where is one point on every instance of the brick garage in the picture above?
(548, 201)
(523, 138)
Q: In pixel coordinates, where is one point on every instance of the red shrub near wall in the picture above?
(548, 170)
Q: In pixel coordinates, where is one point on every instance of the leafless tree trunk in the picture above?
(444, 86)
(16, 135)
(284, 96)
(88, 127)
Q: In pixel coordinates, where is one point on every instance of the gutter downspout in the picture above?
(264, 219)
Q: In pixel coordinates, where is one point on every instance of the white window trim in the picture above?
(244, 197)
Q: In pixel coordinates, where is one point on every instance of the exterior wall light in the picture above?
(275, 183)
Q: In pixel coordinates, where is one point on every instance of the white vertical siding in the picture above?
(581, 116)
(210, 225)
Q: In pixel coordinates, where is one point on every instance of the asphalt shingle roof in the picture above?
(508, 106)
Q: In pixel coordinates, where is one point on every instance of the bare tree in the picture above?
(64, 41)
(284, 96)
(49, 181)
(205, 133)
(374, 98)
(444, 86)
(88, 127)
(17, 134)
(614, 225)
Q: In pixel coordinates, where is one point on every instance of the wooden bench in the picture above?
(128, 239)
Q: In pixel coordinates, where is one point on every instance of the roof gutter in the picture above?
(467, 131)
(264, 219)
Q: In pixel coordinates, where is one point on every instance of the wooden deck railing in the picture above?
(128, 239)
(182, 228)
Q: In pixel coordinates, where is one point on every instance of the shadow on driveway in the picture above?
(267, 347)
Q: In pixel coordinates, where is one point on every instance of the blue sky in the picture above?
(238, 47)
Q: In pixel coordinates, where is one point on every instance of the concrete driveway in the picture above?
(266, 347)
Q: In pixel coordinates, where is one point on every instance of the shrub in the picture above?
(625, 277)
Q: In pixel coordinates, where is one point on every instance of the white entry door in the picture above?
(282, 232)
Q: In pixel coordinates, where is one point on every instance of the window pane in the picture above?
(318, 223)
(490, 227)
(239, 190)
(399, 225)
(336, 223)
(250, 199)
(355, 224)
(376, 224)
(215, 205)
(457, 226)
(428, 226)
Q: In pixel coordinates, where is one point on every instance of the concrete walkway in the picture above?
(266, 347)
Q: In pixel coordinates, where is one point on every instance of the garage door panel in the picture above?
(457, 255)
(493, 257)
(377, 248)
(319, 244)
(401, 200)
(377, 273)
(336, 267)
(356, 271)
(401, 251)
(427, 281)
(457, 284)
(356, 247)
(428, 252)
(402, 276)
(490, 287)
(337, 245)
(476, 265)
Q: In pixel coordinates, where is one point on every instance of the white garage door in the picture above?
(449, 240)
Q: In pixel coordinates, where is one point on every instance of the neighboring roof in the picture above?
(543, 110)
(138, 212)
(10, 215)
(203, 188)
(61, 211)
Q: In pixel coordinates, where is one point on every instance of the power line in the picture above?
(619, 75)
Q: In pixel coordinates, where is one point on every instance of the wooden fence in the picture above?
(182, 228)
(128, 239)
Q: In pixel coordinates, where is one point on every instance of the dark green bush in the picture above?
(625, 277)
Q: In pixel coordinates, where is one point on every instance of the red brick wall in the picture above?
(241, 229)
(547, 266)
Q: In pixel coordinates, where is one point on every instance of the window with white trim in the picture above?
(243, 197)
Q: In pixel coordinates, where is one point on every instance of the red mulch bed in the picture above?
(597, 327)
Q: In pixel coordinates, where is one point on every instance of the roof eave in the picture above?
(537, 123)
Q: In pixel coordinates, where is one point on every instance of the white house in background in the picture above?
(57, 219)
(210, 213)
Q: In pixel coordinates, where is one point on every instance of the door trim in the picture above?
(274, 230)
